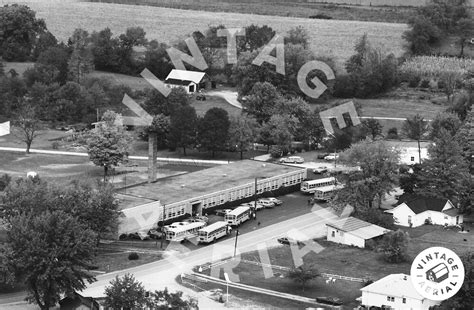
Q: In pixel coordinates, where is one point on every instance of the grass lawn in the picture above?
(108, 262)
(214, 102)
(348, 261)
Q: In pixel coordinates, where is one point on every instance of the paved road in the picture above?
(162, 273)
(229, 96)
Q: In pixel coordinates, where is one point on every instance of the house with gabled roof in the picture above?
(395, 291)
(414, 211)
(191, 81)
(353, 231)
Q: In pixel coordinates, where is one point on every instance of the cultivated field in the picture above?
(328, 37)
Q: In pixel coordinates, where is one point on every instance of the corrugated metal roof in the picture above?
(396, 285)
(359, 228)
(185, 75)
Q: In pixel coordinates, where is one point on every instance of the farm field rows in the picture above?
(333, 38)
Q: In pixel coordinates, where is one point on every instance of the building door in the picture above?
(457, 220)
(196, 208)
(409, 221)
(191, 88)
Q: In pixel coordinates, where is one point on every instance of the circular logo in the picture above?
(437, 273)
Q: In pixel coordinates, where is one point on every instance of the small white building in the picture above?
(409, 150)
(352, 231)
(395, 291)
(414, 211)
(191, 81)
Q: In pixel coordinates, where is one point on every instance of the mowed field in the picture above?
(333, 38)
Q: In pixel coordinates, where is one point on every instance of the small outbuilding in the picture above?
(414, 211)
(353, 231)
(191, 81)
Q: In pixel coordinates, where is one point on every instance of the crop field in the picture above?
(333, 38)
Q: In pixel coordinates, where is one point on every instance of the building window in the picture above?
(333, 234)
(392, 299)
(388, 298)
(404, 300)
(445, 217)
(412, 158)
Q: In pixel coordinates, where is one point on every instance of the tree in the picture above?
(161, 126)
(108, 144)
(433, 23)
(279, 131)
(57, 57)
(261, 101)
(366, 188)
(5, 179)
(125, 293)
(255, 37)
(45, 41)
(242, 133)
(183, 127)
(97, 209)
(372, 127)
(27, 123)
(422, 36)
(298, 35)
(465, 31)
(369, 70)
(81, 61)
(51, 254)
(394, 246)
(157, 60)
(303, 274)
(464, 299)
(414, 128)
(163, 300)
(19, 29)
(445, 174)
(213, 130)
(447, 121)
(450, 81)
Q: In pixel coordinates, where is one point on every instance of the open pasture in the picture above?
(333, 38)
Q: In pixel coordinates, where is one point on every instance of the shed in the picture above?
(191, 81)
(353, 231)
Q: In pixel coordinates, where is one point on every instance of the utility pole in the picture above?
(163, 228)
(235, 245)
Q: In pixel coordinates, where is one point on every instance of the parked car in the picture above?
(321, 156)
(141, 235)
(288, 241)
(222, 212)
(292, 160)
(252, 205)
(276, 201)
(155, 234)
(320, 170)
(266, 203)
(199, 218)
(334, 301)
(331, 157)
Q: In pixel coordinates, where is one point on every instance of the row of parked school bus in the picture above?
(181, 231)
(322, 189)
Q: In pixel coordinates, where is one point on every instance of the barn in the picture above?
(191, 81)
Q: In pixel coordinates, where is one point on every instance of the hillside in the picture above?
(328, 37)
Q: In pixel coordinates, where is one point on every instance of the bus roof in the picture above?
(323, 180)
(329, 188)
(214, 226)
(238, 211)
(186, 226)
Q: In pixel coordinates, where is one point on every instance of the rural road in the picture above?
(229, 96)
(160, 274)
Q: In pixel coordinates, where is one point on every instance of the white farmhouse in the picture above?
(352, 231)
(192, 81)
(394, 291)
(409, 150)
(414, 211)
